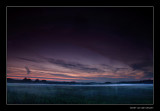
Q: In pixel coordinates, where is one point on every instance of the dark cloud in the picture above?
(63, 75)
(148, 74)
(73, 65)
(117, 69)
(27, 69)
(113, 69)
(142, 65)
(146, 66)
(29, 59)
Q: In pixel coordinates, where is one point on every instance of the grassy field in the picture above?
(52, 94)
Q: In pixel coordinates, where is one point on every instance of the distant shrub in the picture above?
(37, 80)
(43, 81)
(27, 80)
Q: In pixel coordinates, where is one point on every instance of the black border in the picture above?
(3, 5)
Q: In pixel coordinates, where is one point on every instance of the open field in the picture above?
(79, 94)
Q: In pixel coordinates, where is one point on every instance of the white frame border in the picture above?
(80, 6)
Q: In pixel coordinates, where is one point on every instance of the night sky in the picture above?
(82, 44)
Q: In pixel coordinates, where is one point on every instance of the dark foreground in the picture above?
(79, 94)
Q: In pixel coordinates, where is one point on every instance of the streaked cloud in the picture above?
(74, 66)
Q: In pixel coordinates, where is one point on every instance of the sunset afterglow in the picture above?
(80, 44)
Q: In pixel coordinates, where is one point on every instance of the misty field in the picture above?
(79, 94)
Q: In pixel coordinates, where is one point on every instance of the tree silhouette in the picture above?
(27, 80)
(43, 81)
(37, 80)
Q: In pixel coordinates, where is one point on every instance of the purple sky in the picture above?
(80, 44)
